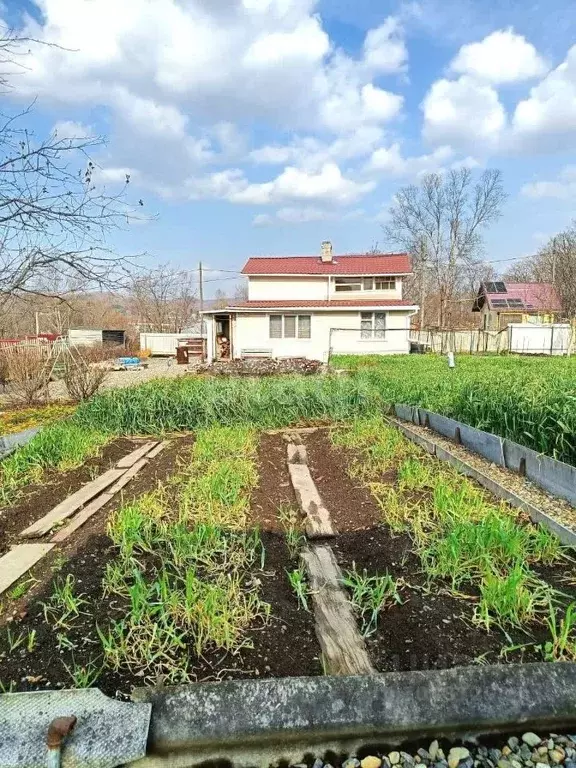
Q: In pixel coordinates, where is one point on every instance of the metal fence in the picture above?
(518, 338)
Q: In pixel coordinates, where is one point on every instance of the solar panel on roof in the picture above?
(515, 303)
(499, 303)
(490, 288)
(500, 287)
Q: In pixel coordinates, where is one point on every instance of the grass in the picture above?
(464, 539)
(184, 556)
(64, 605)
(529, 400)
(370, 595)
(20, 419)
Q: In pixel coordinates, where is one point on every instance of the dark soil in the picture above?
(351, 505)
(39, 499)
(158, 470)
(274, 488)
(86, 558)
(286, 646)
(46, 666)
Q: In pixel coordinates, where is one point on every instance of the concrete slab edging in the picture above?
(555, 477)
(566, 536)
(9, 443)
(263, 722)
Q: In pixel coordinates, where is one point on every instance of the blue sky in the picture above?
(265, 126)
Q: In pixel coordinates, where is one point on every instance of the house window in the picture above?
(364, 284)
(372, 325)
(385, 283)
(290, 326)
(348, 284)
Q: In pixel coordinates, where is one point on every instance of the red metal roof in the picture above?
(524, 297)
(366, 264)
(311, 303)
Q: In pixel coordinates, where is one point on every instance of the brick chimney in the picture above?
(326, 252)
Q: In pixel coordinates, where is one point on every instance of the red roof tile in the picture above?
(366, 264)
(526, 296)
(334, 303)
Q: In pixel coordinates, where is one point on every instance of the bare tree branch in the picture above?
(440, 222)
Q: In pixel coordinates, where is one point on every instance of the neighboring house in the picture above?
(307, 306)
(502, 303)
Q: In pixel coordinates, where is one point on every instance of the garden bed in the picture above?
(195, 574)
(264, 366)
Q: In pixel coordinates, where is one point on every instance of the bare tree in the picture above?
(220, 299)
(554, 263)
(54, 213)
(441, 222)
(241, 291)
(164, 299)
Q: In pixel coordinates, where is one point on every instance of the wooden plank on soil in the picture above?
(99, 502)
(70, 505)
(132, 458)
(343, 648)
(318, 522)
(19, 560)
(297, 453)
(155, 451)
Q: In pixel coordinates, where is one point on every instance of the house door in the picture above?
(223, 341)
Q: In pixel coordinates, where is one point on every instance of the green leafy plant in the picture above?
(297, 579)
(370, 595)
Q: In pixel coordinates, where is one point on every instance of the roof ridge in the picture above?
(334, 256)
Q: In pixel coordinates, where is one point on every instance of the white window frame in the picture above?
(369, 334)
(363, 284)
(297, 330)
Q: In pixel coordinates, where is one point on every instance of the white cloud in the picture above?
(384, 48)
(390, 162)
(463, 113)
(563, 188)
(179, 78)
(328, 185)
(303, 215)
(311, 153)
(502, 57)
(69, 129)
(550, 109)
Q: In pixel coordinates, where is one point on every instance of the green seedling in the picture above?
(297, 579)
(15, 641)
(83, 676)
(562, 643)
(21, 588)
(370, 595)
(290, 519)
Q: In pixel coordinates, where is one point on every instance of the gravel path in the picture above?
(528, 751)
(557, 508)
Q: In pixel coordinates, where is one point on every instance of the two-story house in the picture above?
(311, 306)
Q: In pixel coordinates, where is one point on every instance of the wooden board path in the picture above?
(83, 495)
(343, 648)
(101, 501)
(18, 560)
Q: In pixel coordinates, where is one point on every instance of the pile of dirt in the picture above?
(261, 366)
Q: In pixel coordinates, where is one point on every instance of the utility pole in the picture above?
(201, 288)
(201, 292)
(37, 319)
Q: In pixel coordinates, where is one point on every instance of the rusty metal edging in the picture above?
(566, 536)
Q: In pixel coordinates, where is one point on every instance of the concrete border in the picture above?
(555, 477)
(566, 536)
(9, 443)
(258, 722)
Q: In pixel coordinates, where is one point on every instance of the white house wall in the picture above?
(273, 288)
(305, 288)
(252, 333)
